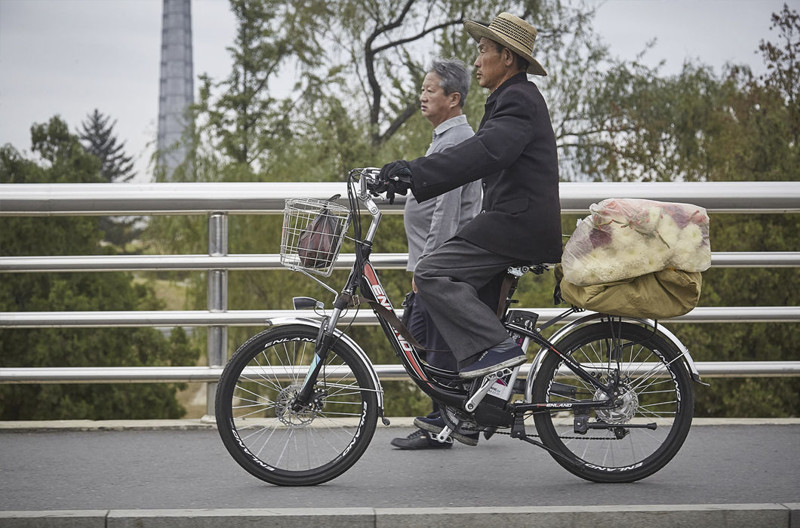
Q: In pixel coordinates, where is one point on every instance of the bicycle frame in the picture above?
(431, 380)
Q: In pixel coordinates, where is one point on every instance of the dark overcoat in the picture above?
(514, 152)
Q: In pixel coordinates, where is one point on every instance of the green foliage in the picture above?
(698, 126)
(64, 160)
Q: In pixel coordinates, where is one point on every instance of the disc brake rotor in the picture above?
(624, 411)
(291, 418)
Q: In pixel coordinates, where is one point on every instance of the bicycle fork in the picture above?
(325, 339)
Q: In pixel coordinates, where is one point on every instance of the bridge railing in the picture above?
(218, 200)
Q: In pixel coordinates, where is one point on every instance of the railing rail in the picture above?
(71, 199)
(771, 259)
(217, 200)
(707, 369)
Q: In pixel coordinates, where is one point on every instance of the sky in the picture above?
(68, 57)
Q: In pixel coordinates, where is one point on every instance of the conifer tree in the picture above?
(98, 138)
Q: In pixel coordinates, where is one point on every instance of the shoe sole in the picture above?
(513, 362)
(436, 430)
(434, 445)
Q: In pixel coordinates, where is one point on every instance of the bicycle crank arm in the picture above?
(443, 435)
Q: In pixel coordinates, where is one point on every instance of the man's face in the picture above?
(490, 69)
(436, 105)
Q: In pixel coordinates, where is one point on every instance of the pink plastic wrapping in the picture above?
(625, 238)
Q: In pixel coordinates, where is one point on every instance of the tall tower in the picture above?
(177, 82)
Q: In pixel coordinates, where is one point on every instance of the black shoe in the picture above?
(420, 439)
(435, 426)
(493, 360)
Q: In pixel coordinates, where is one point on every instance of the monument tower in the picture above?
(176, 91)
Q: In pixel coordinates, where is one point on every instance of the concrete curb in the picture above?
(651, 516)
(200, 424)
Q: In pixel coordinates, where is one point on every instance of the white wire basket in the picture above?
(312, 235)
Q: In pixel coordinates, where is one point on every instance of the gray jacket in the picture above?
(430, 224)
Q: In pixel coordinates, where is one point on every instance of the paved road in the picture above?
(172, 469)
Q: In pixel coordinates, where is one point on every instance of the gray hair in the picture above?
(454, 77)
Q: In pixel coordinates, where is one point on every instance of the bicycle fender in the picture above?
(362, 356)
(595, 318)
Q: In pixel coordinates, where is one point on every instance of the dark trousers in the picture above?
(452, 282)
(424, 331)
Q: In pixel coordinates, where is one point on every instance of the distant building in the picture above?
(176, 91)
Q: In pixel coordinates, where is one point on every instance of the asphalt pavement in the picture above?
(170, 468)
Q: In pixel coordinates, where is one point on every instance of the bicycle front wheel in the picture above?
(282, 445)
(646, 427)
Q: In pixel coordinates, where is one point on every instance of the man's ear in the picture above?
(455, 98)
(507, 57)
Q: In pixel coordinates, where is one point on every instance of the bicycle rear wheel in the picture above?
(647, 428)
(278, 444)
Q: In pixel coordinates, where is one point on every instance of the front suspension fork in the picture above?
(325, 339)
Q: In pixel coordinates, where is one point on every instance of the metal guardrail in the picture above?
(217, 200)
(707, 369)
(268, 197)
(772, 259)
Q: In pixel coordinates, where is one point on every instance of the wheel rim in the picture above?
(273, 435)
(647, 394)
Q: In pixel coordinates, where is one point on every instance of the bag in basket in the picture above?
(316, 245)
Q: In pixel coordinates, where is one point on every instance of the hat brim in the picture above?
(477, 31)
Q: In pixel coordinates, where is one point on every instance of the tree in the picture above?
(64, 160)
(355, 105)
(245, 122)
(97, 135)
(700, 126)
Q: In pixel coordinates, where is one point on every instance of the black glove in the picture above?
(395, 177)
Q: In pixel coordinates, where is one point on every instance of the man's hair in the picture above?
(521, 63)
(454, 77)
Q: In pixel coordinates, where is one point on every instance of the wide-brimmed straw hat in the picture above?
(513, 33)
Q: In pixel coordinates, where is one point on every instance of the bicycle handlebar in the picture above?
(368, 177)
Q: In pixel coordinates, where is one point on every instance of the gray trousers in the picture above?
(450, 281)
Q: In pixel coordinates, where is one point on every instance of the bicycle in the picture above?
(610, 397)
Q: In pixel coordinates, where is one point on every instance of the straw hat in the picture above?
(513, 33)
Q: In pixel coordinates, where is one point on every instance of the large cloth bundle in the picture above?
(637, 258)
(626, 238)
(658, 295)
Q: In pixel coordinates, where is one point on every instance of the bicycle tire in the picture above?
(648, 394)
(269, 439)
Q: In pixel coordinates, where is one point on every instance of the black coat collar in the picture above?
(516, 79)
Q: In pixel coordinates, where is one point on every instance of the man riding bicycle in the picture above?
(514, 153)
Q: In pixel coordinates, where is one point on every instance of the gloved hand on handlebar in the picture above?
(395, 177)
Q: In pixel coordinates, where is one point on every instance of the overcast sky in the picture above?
(69, 57)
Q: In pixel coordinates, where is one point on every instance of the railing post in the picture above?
(217, 341)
